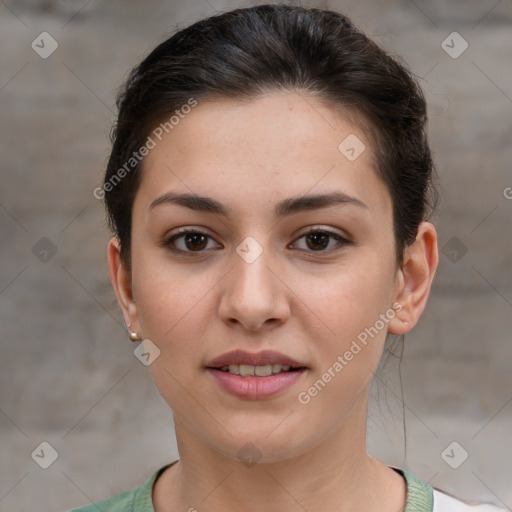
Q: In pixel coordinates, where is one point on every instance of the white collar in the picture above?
(443, 502)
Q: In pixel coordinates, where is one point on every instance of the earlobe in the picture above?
(121, 282)
(414, 279)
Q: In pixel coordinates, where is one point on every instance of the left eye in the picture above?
(318, 239)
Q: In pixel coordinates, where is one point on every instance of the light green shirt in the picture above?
(419, 497)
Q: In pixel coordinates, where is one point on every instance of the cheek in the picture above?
(170, 305)
(350, 305)
(349, 350)
(350, 299)
(174, 313)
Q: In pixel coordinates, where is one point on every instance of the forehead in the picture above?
(278, 145)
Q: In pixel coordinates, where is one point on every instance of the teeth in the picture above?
(260, 371)
(246, 369)
(263, 371)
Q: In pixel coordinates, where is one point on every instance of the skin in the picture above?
(306, 303)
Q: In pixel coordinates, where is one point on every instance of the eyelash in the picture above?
(182, 232)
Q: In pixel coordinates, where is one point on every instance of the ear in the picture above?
(121, 281)
(414, 279)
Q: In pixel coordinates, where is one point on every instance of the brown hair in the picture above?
(247, 52)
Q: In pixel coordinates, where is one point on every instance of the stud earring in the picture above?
(133, 335)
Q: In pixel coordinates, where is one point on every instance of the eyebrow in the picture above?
(284, 208)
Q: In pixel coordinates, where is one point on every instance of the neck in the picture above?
(337, 474)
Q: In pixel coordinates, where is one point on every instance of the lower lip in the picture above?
(255, 388)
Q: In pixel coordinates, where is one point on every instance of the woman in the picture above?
(269, 190)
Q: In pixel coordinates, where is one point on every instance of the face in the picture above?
(296, 283)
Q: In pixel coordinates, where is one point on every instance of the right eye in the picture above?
(191, 241)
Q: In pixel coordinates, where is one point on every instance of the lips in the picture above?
(263, 358)
(255, 376)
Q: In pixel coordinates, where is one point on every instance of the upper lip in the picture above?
(262, 358)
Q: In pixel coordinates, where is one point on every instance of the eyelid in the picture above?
(322, 229)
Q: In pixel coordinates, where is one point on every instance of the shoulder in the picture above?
(444, 502)
(121, 502)
(138, 499)
(422, 497)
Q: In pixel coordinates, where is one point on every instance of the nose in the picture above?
(254, 294)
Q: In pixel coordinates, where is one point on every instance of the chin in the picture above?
(261, 445)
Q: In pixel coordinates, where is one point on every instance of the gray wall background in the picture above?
(68, 374)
